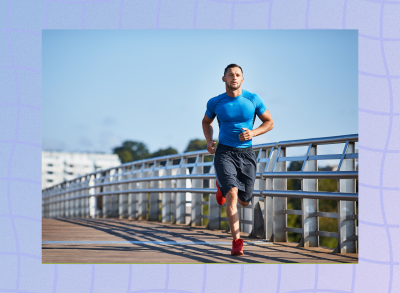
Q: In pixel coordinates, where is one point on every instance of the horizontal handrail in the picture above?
(264, 193)
(289, 175)
(311, 194)
(290, 143)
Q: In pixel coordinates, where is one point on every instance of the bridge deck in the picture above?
(126, 241)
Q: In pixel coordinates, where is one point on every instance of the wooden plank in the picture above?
(77, 229)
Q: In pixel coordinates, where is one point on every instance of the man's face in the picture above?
(233, 78)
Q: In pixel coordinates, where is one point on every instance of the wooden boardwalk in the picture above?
(128, 241)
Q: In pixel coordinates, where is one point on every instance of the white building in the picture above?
(60, 166)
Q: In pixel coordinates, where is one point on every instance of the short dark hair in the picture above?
(232, 66)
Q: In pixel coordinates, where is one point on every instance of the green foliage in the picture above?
(294, 184)
(295, 166)
(196, 145)
(294, 203)
(131, 151)
(325, 224)
(164, 152)
(199, 145)
(224, 224)
(327, 185)
(134, 150)
(205, 209)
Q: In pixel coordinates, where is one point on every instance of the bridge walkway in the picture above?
(85, 240)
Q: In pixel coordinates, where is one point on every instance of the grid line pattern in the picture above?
(22, 25)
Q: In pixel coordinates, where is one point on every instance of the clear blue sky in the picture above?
(101, 87)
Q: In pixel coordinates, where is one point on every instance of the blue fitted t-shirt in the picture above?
(234, 113)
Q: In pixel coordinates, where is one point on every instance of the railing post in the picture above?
(213, 206)
(86, 199)
(92, 200)
(132, 197)
(269, 200)
(154, 196)
(180, 198)
(107, 198)
(123, 197)
(173, 196)
(142, 197)
(99, 199)
(166, 213)
(78, 209)
(56, 207)
(74, 201)
(71, 201)
(245, 214)
(197, 198)
(44, 205)
(81, 200)
(82, 210)
(62, 205)
(280, 202)
(310, 206)
(257, 219)
(346, 209)
(114, 197)
(67, 203)
(240, 211)
(50, 211)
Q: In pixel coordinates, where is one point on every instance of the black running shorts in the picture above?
(236, 167)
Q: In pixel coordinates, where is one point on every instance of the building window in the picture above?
(50, 165)
(49, 180)
(49, 172)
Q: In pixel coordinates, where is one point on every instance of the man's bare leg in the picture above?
(232, 212)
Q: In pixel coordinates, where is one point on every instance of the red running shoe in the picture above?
(237, 247)
(220, 198)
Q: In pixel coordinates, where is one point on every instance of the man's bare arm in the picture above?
(267, 125)
(208, 133)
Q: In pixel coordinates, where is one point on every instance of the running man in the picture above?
(235, 160)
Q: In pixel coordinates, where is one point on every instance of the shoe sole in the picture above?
(237, 254)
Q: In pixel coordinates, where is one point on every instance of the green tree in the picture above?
(164, 152)
(196, 145)
(294, 203)
(131, 151)
(294, 184)
(199, 145)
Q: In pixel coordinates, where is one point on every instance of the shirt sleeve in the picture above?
(210, 109)
(260, 106)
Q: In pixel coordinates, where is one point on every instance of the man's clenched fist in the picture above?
(246, 134)
(210, 147)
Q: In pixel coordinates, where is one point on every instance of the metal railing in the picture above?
(172, 189)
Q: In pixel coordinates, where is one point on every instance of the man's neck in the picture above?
(234, 93)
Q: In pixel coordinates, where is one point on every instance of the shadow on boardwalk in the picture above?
(211, 246)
